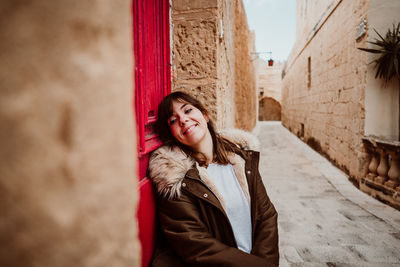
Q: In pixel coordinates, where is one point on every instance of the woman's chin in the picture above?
(193, 139)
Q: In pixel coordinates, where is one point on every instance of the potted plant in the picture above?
(387, 63)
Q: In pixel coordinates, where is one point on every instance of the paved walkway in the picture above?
(323, 219)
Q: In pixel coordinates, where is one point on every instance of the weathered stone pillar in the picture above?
(67, 138)
(373, 165)
(394, 171)
(383, 168)
(195, 25)
(212, 61)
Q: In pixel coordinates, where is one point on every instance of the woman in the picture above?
(212, 207)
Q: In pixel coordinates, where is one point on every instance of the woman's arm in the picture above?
(187, 234)
(265, 243)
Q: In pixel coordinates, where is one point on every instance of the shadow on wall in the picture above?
(269, 109)
(316, 145)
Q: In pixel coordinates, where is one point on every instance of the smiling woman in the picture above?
(189, 126)
(213, 208)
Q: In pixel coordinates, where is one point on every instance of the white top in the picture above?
(237, 206)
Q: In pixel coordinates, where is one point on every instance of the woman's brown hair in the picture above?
(221, 145)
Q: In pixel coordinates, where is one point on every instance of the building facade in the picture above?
(330, 97)
(269, 88)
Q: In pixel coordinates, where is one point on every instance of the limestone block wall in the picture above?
(194, 52)
(269, 90)
(269, 80)
(245, 87)
(68, 151)
(309, 14)
(208, 60)
(324, 87)
(226, 64)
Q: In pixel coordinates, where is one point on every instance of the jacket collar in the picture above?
(169, 165)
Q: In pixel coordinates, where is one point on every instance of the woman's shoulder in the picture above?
(245, 140)
(167, 168)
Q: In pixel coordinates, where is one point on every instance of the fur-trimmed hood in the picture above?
(168, 165)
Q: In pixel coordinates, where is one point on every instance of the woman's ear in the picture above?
(206, 117)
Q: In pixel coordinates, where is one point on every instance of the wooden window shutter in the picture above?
(152, 83)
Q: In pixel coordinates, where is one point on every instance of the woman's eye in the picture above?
(172, 121)
(188, 110)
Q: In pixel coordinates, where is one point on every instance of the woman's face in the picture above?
(188, 125)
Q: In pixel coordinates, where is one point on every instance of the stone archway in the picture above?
(269, 109)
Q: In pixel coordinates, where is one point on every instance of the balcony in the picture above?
(382, 180)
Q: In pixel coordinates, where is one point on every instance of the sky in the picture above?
(274, 22)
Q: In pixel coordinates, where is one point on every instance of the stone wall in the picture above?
(226, 64)
(269, 89)
(245, 87)
(269, 79)
(194, 53)
(207, 59)
(324, 87)
(67, 158)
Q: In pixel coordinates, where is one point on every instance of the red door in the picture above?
(152, 83)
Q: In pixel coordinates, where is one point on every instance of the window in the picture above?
(261, 90)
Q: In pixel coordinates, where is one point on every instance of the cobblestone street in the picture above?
(324, 220)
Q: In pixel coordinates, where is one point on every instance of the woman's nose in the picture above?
(183, 120)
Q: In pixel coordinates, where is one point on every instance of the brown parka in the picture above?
(192, 213)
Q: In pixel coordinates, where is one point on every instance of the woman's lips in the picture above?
(189, 129)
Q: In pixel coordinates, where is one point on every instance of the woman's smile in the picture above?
(189, 125)
(189, 129)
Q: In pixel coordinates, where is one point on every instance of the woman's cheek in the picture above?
(174, 130)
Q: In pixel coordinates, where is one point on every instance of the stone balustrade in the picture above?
(382, 180)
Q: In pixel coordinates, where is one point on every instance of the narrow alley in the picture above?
(323, 219)
(82, 83)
